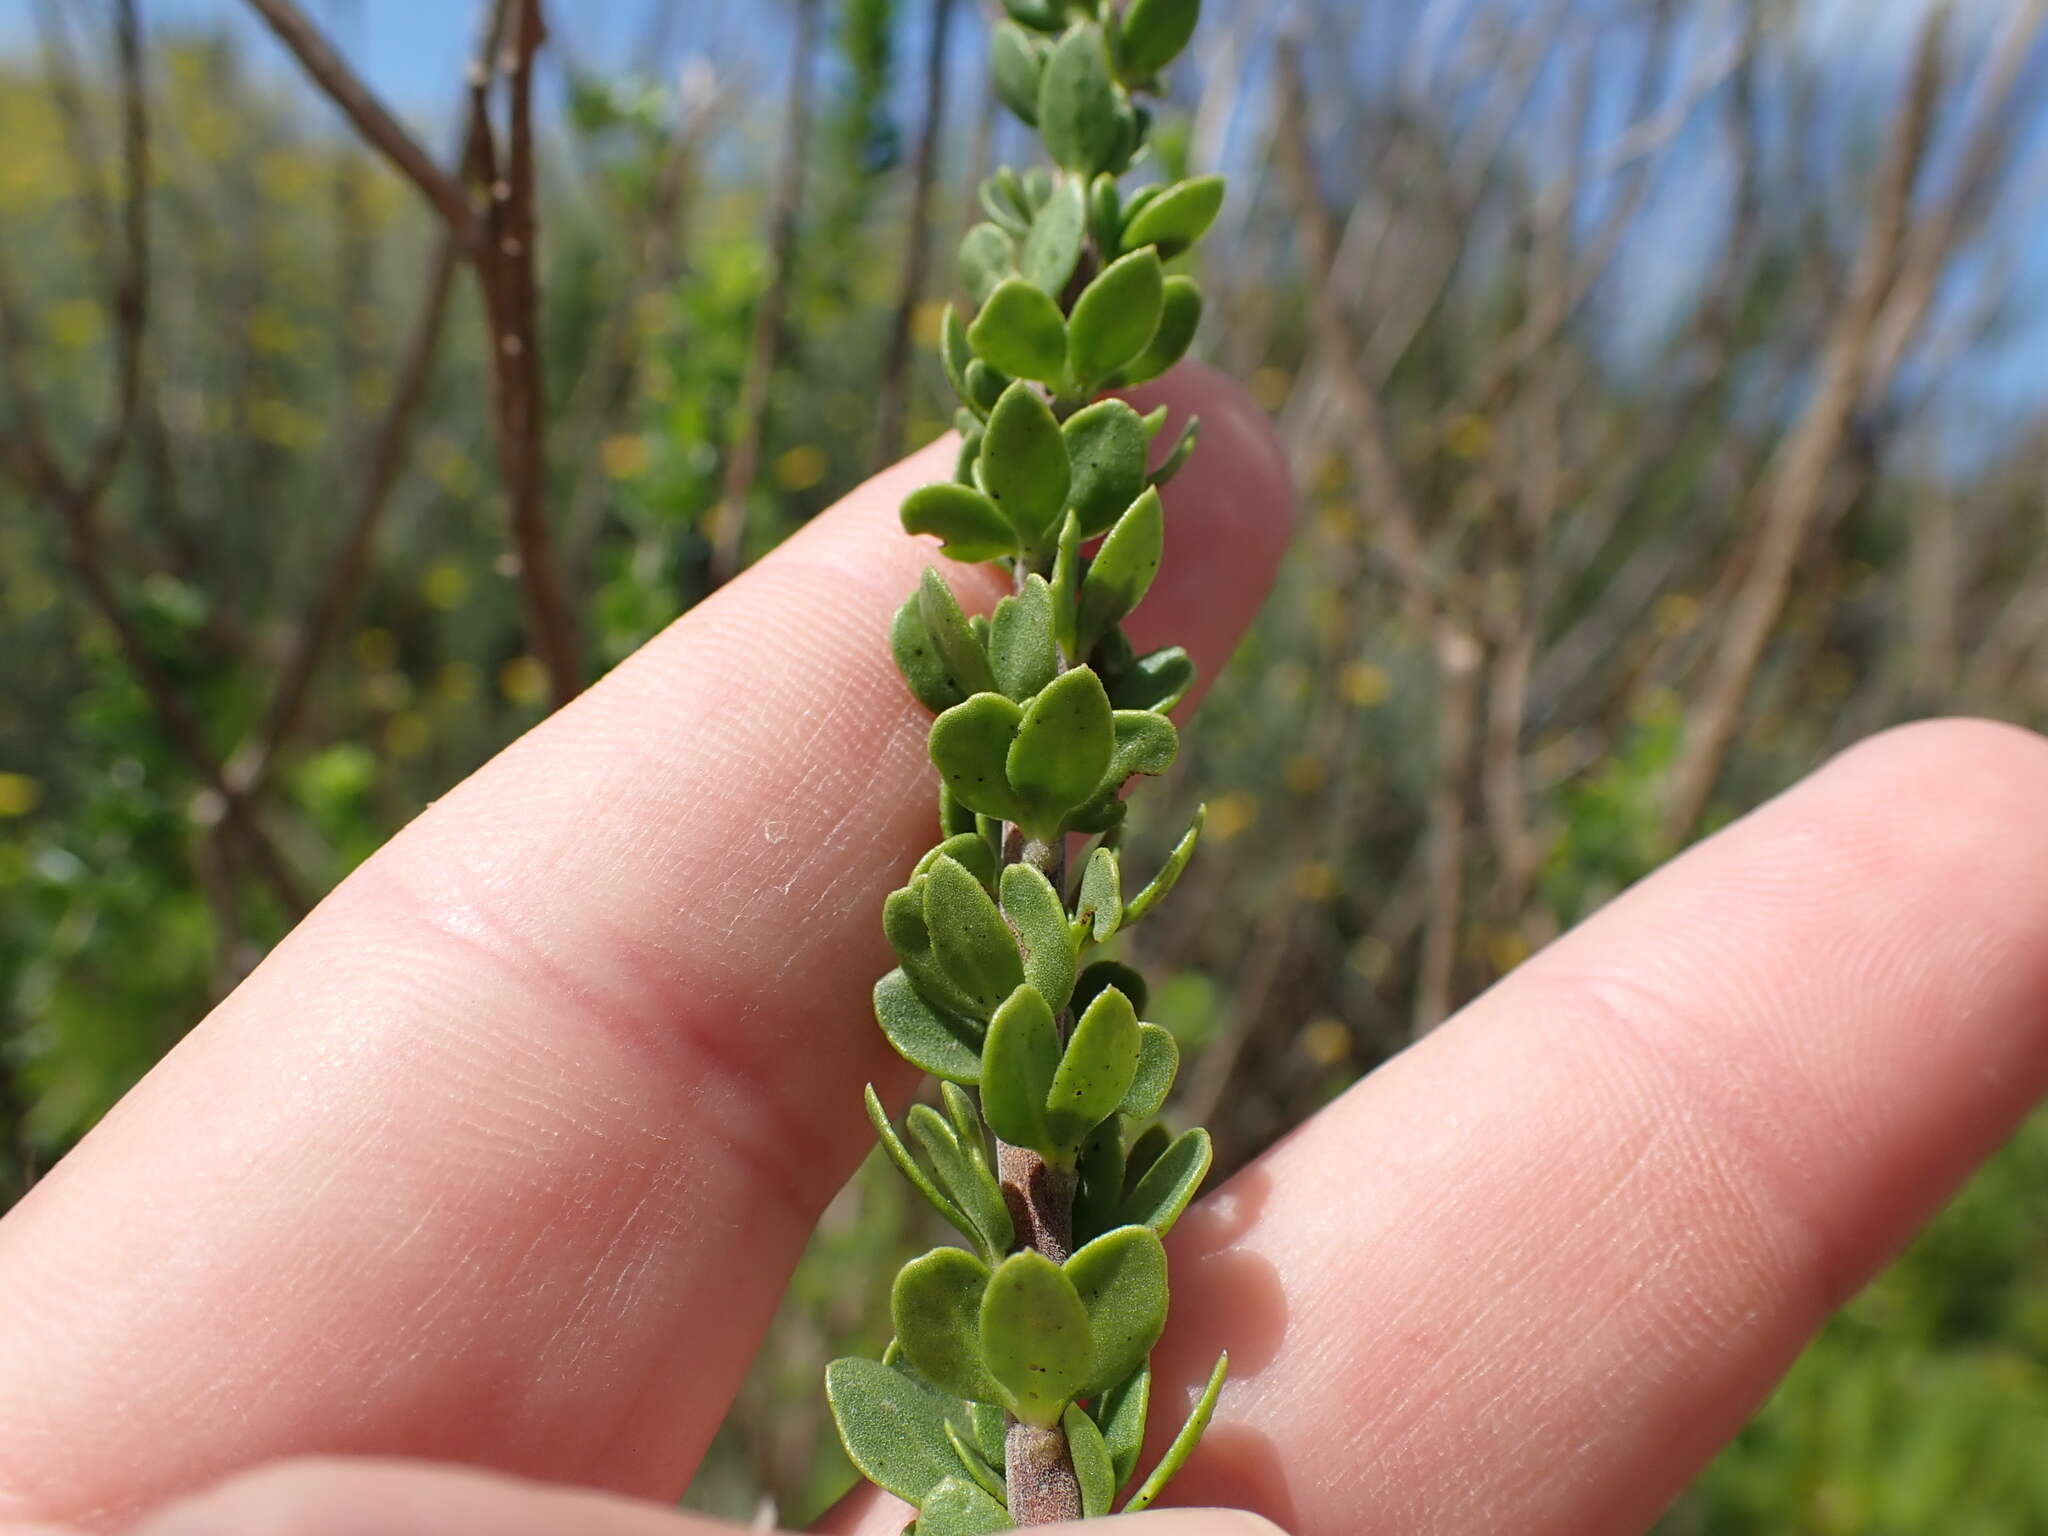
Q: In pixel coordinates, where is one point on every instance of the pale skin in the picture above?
(501, 1159)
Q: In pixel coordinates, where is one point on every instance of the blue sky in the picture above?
(412, 52)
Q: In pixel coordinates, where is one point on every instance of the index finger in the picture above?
(503, 1155)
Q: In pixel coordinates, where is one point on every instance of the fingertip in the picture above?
(1186, 1522)
(345, 1496)
(1230, 514)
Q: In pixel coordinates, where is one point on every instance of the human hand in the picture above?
(500, 1159)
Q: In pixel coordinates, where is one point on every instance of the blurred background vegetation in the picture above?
(1666, 380)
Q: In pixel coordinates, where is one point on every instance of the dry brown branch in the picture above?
(372, 119)
(1937, 232)
(1796, 483)
(75, 499)
(1372, 445)
(348, 566)
(510, 281)
(916, 243)
(604, 388)
(729, 520)
(1459, 660)
(501, 242)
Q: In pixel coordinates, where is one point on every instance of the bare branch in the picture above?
(1797, 484)
(916, 243)
(371, 117)
(1371, 444)
(507, 269)
(729, 520)
(349, 564)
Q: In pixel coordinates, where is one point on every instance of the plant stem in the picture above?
(1036, 1463)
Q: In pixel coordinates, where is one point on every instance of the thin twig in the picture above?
(895, 387)
(1797, 483)
(509, 275)
(372, 119)
(729, 519)
(348, 565)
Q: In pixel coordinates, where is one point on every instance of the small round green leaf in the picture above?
(1018, 1061)
(966, 1181)
(1121, 1413)
(918, 659)
(970, 450)
(953, 634)
(1149, 1146)
(1158, 1065)
(1106, 447)
(1040, 922)
(1016, 61)
(1037, 1338)
(969, 745)
(1053, 248)
(1111, 973)
(1145, 743)
(1065, 743)
(1180, 316)
(1121, 1280)
(954, 350)
(1116, 316)
(969, 526)
(911, 1169)
(1178, 456)
(940, 1043)
(959, 1508)
(1021, 331)
(1102, 902)
(1066, 584)
(1122, 571)
(1184, 1442)
(1177, 217)
(893, 1426)
(969, 848)
(988, 255)
(991, 1429)
(1157, 681)
(1021, 650)
(1080, 109)
(1093, 1468)
(1169, 872)
(1095, 1072)
(1105, 212)
(1170, 1183)
(969, 936)
(1154, 33)
(1041, 15)
(1023, 467)
(983, 1475)
(1099, 1195)
(936, 1307)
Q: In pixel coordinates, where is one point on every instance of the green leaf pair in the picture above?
(1087, 120)
(1152, 36)
(1039, 1094)
(1030, 1335)
(1151, 1184)
(937, 647)
(1101, 911)
(962, 1185)
(919, 1443)
(962, 952)
(1114, 332)
(1145, 743)
(1054, 763)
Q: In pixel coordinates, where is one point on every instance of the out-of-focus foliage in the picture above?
(1591, 261)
